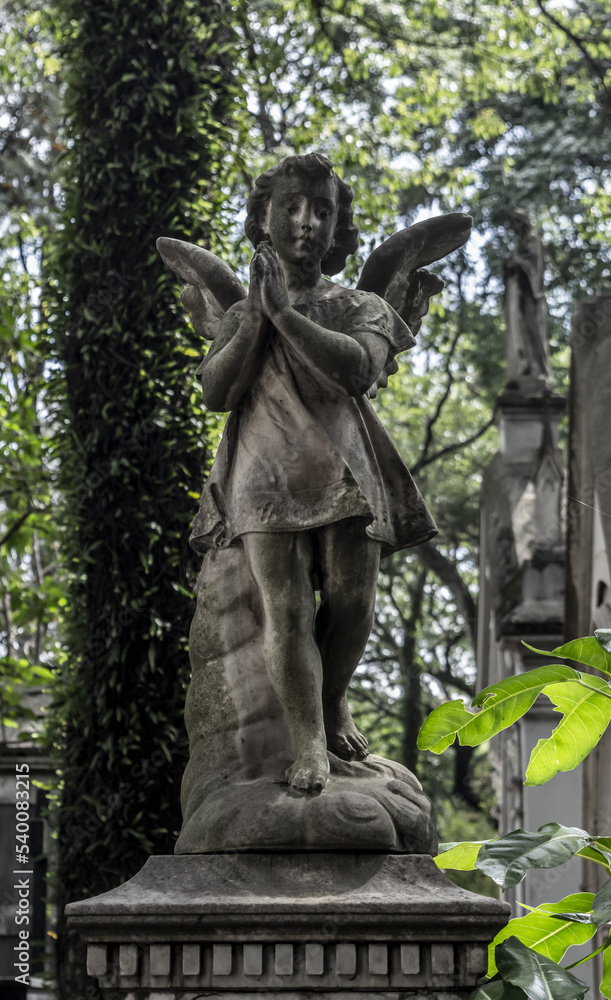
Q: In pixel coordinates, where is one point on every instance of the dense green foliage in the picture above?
(523, 956)
(148, 97)
(31, 595)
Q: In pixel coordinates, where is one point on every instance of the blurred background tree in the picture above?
(31, 597)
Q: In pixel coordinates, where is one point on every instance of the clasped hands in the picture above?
(267, 291)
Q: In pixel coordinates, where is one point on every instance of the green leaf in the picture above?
(441, 726)
(460, 857)
(588, 650)
(503, 704)
(586, 715)
(546, 934)
(603, 636)
(507, 859)
(592, 853)
(605, 983)
(43, 673)
(498, 990)
(602, 905)
(538, 976)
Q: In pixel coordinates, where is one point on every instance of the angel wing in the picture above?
(396, 271)
(212, 286)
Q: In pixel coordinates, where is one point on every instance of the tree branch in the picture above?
(579, 43)
(453, 447)
(16, 526)
(263, 118)
(447, 679)
(428, 438)
(383, 707)
(446, 571)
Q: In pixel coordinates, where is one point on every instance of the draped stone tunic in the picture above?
(299, 453)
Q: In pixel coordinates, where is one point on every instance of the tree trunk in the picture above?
(410, 675)
(149, 94)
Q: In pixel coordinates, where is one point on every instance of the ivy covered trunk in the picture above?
(149, 92)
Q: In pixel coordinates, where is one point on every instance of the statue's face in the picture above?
(519, 223)
(301, 217)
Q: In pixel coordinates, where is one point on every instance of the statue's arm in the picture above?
(234, 358)
(353, 365)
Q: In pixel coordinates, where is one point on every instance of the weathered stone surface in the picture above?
(591, 342)
(306, 494)
(335, 924)
(527, 348)
(363, 894)
(235, 794)
(97, 960)
(333, 994)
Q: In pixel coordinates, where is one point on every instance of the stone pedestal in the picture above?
(230, 925)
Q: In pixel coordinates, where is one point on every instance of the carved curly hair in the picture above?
(345, 237)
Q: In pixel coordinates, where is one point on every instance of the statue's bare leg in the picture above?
(348, 563)
(281, 565)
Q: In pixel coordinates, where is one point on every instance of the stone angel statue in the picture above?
(527, 346)
(306, 494)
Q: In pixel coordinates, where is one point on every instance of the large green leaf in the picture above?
(460, 857)
(547, 934)
(538, 976)
(586, 715)
(502, 704)
(507, 859)
(590, 649)
(498, 990)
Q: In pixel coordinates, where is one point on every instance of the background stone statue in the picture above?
(306, 494)
(527, 347)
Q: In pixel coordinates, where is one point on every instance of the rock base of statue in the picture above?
(366, 805)
(234, 792)
(316, 924)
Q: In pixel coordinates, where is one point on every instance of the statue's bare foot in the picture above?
(343, 738)
(310, 771)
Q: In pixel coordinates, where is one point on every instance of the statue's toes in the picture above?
(300, 781)
(360, 744)
(360, 747)
(361, 750)
(340, 745)
(318, 782)
(308, 777)
(350, 745)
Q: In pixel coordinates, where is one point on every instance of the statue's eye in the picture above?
(291, 209)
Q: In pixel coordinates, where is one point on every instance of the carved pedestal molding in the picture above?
(227, 926)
